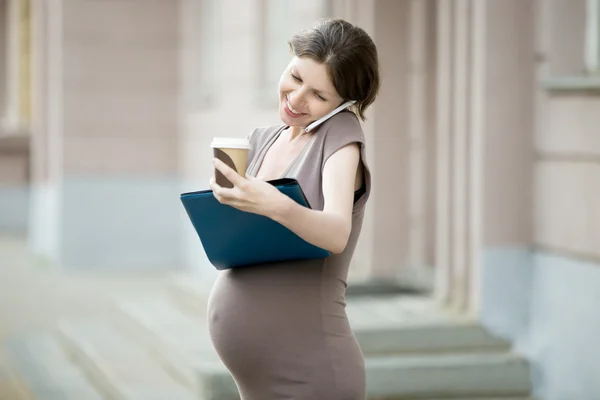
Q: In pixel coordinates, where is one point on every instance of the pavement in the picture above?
(33, 296)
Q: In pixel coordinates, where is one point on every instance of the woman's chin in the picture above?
(290, 121)
(286, 119)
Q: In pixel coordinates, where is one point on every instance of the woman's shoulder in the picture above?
(340, 130)
(345, 119)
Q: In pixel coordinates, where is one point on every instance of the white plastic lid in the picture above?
(231, 143)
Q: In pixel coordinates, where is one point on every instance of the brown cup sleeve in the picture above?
(219, 177)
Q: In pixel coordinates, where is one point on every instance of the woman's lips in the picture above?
(289, 111)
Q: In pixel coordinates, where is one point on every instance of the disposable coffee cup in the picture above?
(234, 153)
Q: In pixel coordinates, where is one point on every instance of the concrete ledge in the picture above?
(375, 287)
(119, 366)
(453, 375)
(123, 211)
(177, 340)
(183, 343)
(409, 324)
(382, 326)
(213, 382)
(14, 208)
(573, 84)
(433, 338)
(460, 398)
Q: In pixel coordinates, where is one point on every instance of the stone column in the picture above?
(460, 126)
(397, 229)
(382, 251)
(484, 138)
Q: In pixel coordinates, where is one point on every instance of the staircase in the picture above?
(158, 349)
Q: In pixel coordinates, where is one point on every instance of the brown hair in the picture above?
(350, 56)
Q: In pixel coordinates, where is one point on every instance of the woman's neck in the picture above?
(295, 132)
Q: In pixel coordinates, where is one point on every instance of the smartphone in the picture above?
(318, 122)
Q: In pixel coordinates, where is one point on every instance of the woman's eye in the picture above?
(296, 78)
(320, 97)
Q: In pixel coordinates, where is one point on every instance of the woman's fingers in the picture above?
(229, 173)
(223, 195)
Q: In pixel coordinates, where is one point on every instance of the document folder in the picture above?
(233, 238)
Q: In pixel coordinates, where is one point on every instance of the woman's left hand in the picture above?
(248, 194)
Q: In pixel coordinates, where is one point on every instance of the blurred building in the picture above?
(482, 143)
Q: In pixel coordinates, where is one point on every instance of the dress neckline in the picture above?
(258, 160)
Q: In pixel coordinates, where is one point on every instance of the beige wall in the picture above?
(564, 24)
(509, 123)
(120, 87)
(568, 176)
(567, 144)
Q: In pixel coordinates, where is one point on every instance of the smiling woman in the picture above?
(281, 329)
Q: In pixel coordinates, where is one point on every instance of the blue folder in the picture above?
(233, 238)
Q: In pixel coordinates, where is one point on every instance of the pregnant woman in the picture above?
(281, 329)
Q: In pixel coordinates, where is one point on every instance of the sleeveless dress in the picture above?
(281, 329)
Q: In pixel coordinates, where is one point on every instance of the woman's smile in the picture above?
(289, 109)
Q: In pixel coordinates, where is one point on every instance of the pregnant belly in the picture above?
(271, 317)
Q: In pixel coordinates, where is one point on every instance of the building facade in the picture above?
(482, 144)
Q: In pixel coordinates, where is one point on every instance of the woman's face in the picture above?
(305, 92)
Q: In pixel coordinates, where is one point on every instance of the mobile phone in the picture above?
(318, 122)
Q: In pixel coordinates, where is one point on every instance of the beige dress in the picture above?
(281, 329)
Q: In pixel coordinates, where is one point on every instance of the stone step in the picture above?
(46, 371)
(191, 292)
(178, 340)
(414, 324)
(448, 375)
(384, 324)
(182, 343)
(456, 376)
(400, 324)
(458, 398)
(120, 366)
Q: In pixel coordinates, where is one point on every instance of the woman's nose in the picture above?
(296, 100)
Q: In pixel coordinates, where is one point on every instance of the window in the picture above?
(592, 53)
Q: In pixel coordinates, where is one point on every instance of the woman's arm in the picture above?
(328, 229)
